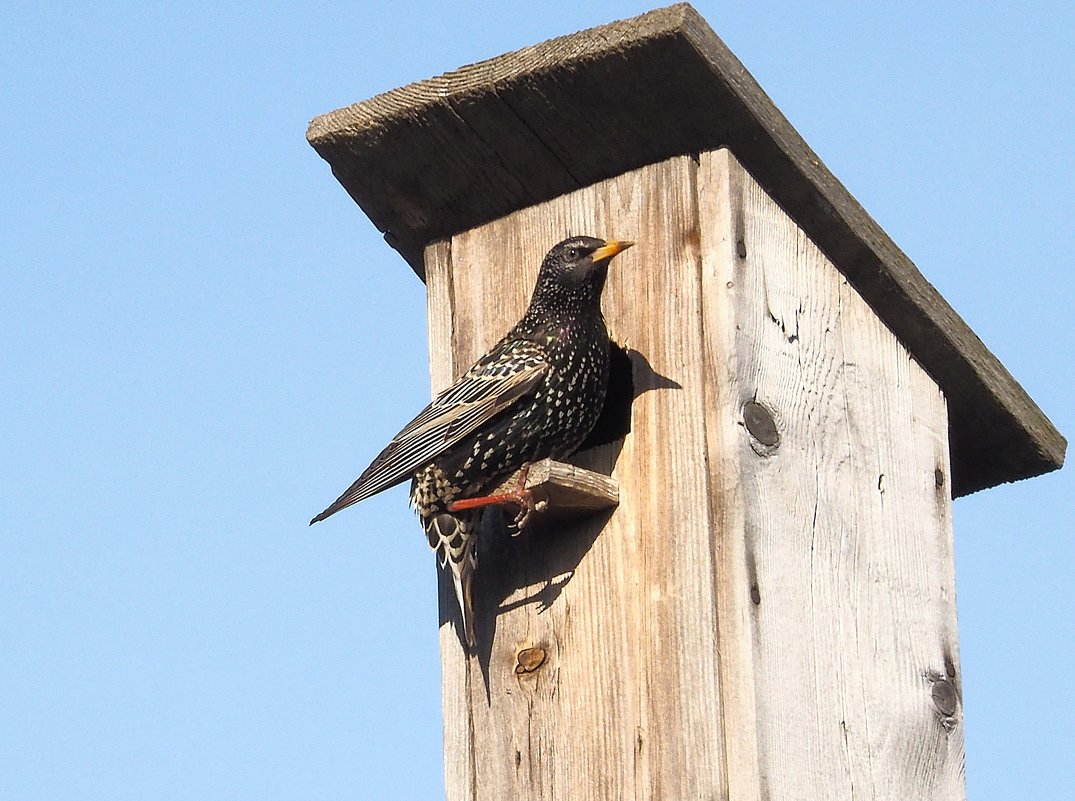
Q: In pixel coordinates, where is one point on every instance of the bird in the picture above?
(536, 394)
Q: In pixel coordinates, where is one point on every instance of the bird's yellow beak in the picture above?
(610, 249)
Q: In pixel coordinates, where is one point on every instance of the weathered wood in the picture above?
(564, 490)
(758, 618)
(611, 712)
(835, 567)
(444, 155)
(455, 667)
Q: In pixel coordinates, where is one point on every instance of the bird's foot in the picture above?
(526, 509)
(520, 496)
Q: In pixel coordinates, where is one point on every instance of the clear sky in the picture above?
(203, 341)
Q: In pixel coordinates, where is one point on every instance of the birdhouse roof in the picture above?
(444, 155)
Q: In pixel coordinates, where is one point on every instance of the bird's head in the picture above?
(574, 271)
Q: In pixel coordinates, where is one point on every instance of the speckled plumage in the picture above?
(536, 394)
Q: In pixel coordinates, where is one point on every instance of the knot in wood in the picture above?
(944, 698)
(759, 422)
(529, 659)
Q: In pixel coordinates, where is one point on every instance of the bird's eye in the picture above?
(574, 254)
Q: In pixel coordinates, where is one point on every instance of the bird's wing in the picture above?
(493, 384)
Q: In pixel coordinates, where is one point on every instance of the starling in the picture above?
(535, 395)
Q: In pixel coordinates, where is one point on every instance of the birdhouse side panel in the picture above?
(833, 540)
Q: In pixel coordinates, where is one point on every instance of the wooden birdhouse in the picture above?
(769, 611)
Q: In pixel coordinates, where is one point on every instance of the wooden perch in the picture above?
(565, 490)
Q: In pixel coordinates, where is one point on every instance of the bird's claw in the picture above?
(527, 507)
(521, 497)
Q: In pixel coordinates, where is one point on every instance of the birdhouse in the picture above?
(769, 609)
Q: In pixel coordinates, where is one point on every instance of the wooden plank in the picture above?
(733, 559)
(598, 679)
(563, 490)
(455, 667)
(839, 660)
(444, 155)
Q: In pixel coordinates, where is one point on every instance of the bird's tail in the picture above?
(454, 538)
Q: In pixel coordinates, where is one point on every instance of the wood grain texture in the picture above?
(444, 155)
(834, 547)
(616, 709)
(455, 667)
(755, 620)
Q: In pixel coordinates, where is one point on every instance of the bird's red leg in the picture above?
(521, 497)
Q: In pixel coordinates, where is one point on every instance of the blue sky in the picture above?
(203, 340)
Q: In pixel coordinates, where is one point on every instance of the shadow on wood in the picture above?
(541, 560)
(544, 556)
(629, 375)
